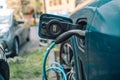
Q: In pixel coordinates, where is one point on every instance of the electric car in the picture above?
(96, 55)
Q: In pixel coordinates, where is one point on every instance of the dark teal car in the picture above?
(95, 56)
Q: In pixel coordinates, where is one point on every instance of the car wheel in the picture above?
(15, 48)
(28, 38)
(67, 60)
(4, 70)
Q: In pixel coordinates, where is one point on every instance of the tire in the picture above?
(67, 60)
(28, 39)
(28, 36)
(4, 70)
(15, 51)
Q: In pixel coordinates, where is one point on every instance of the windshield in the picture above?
(83, 4)
(5, 19)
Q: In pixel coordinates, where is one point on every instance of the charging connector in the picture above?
(59, 39)
(68, 34)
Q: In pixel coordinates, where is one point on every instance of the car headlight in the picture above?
(4, 34)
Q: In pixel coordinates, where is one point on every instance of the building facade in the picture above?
(61, 5)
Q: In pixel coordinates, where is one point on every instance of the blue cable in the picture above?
(57, 65)
(57, 69)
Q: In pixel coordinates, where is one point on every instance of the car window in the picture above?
(5, 19)
(84, 3)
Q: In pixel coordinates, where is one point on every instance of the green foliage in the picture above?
(28, 65)
(38, 6)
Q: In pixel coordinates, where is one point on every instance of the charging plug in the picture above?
(66, 35)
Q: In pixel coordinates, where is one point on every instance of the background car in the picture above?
(12, 31)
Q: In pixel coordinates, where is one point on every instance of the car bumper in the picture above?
(44, 42)
(8, 45)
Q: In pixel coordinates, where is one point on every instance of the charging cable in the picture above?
(59, 69)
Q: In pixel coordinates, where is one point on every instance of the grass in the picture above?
(28, 65)
(32, 25)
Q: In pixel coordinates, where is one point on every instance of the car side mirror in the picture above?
(17, 22)
(51, 26)
(21, 21)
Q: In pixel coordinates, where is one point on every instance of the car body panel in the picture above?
(103, 42)
(101, 56)
(88, 13)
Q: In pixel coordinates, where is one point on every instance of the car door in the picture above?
(82, 17)
(103, 42)
(24, 34)
(19, 33)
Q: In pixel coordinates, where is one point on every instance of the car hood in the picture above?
(4, 27)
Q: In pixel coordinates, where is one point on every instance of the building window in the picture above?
(67, 1)
(50, 3)
(60, 2)
(54, 1)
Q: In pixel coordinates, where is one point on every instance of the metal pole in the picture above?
(44, 6)
(35, 12)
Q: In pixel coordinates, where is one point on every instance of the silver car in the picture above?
(12, 32)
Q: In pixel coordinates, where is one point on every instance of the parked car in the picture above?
(96, 55)
(4, 67)
(12, 31)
